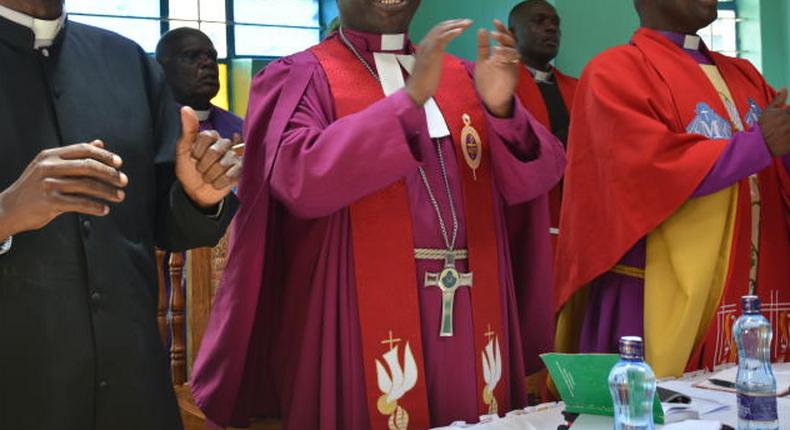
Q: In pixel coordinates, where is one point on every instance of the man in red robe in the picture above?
(370, 283)
(543, 89)
(677, 196)
(548, 95)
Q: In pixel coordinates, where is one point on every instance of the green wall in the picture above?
(774, 20)
(589, 27)
(432, 12)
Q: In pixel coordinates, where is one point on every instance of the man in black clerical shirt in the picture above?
(93, 176)
(536, 26)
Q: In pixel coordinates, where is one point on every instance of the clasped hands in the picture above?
(86, 178)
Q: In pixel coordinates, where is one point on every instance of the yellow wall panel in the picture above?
(221, 99)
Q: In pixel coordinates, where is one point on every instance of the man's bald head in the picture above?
(682, 16)
(536, 26)
(170, 44)
(190, 63)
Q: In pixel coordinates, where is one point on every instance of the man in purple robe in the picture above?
(285, 335)
(189, 60)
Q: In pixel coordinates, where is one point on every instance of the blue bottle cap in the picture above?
(750, 304)
(632, 348)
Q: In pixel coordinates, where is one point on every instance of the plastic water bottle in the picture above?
(755, 383)
(632, 384)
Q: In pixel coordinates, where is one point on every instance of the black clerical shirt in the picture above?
(558, 112)
(79, 344)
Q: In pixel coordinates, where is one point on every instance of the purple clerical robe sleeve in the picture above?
(325, 165)
(528, 160)
(745, 155)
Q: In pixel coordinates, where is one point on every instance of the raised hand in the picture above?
(496, 70)
(775, 124)
(82, 178)
(424, 80)
(206, 165)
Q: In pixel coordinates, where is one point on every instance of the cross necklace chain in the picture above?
(450, 279)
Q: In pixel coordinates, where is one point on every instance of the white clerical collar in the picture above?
(540, 75)
(389, 67)
(203, 115)
(393, 42)
(44, 30)
(691, 42)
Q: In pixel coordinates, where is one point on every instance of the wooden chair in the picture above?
(202, 268)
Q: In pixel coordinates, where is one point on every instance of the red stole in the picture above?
(532, 99)
(644, 166)
(384, 253)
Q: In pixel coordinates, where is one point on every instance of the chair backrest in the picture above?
(197, 272)
(171, 311)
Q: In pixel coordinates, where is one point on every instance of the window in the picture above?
(722, 35)
(206, 15)
(261, 28)
(138, 20)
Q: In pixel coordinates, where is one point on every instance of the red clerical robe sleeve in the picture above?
(631, 165)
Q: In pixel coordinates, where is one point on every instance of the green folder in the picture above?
(582, 381)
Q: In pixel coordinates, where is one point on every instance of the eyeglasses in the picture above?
(198, 56)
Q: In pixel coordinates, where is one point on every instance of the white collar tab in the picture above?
(691, 42)
(392, 42)
(45, 30)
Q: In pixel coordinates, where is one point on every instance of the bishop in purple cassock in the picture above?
(285, 335)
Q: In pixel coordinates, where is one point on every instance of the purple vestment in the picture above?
(615, 304)
(223, 122)
(283, 339)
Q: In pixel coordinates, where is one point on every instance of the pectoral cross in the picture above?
(449, 281)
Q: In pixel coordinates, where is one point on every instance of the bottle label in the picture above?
(757, 408)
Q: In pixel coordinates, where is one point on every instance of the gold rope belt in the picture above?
(439, 254)
(634, 272)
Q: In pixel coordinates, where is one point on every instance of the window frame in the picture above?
(230, 31)
(733, 6)
(230, 26)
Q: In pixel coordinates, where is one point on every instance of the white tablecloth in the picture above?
(549, 416)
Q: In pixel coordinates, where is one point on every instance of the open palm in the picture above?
(496, 70)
